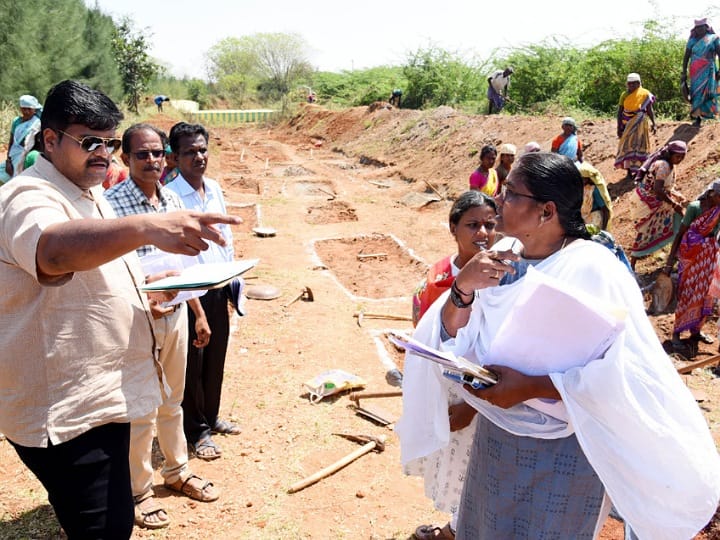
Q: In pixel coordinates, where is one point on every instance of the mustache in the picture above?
(97, 161)
(155, 168)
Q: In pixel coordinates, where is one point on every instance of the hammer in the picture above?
(306, 294)
(370, 443)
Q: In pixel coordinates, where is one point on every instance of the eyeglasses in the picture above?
(509, 195)
(142, 155)
(92, 142)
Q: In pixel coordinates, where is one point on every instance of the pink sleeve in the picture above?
(477, 180)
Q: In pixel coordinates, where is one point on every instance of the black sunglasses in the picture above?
(144, 154)
(92, 142)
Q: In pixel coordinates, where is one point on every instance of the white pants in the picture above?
(171, 334)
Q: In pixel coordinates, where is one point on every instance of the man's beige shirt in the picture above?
(78, 354)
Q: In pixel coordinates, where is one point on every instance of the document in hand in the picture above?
(551, 328)
(202, 276)
(158, 261)
(444, 358)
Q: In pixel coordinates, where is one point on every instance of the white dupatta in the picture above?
(634, 418)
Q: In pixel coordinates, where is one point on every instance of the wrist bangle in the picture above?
(457, 299)
(459, 290)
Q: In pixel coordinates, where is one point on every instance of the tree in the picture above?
(273, 63)
(100, 70)
(135, 66)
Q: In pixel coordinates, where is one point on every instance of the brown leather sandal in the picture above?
(149, 506)
(206, 492)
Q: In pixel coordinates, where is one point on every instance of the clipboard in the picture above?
(451, 363)
(202, 276)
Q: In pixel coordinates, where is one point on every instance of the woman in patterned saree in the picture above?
(660, 207)
(702, 48)
(696, 250)
(635, 112)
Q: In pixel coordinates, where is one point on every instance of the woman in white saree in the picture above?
(559, 436)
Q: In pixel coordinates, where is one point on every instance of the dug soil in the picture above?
(359, 201)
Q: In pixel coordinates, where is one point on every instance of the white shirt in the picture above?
(212, 202)
(498, 82)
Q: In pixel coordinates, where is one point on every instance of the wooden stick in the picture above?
(442, 197)
(355, 396)
(330, 469)
(700, 363)
(388, 316)
(326, 191)
(362, 256)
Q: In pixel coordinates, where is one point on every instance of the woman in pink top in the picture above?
(485, 178)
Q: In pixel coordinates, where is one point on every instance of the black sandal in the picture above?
(700, 336)
(201, 449)
(226, 428)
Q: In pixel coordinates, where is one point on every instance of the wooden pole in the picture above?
(700, 363)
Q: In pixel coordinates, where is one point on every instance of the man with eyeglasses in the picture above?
(205, 367)
(143, 152)
(78, 362)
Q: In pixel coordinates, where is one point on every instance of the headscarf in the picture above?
(570, 121)
(701, 22)
(713, 186)
(532, 146)
(507, 148)
(673, 147)
(29, 102)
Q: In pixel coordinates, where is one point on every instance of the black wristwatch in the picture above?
(457, 299)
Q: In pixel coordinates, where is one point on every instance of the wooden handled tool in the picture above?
(371, 443)
(387, 316)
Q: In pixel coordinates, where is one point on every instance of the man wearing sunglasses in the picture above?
(143, 152)
(78, 362)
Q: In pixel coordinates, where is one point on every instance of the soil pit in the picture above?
(310, 189)
(372, 266)
(250, 214)
(240, 183)
(332, 212)
(295, 170)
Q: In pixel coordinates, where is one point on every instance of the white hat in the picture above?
(507, 148)
(633, 77)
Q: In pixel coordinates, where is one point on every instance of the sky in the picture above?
(369, 33)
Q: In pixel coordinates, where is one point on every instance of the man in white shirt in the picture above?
(205, 366)
(498, 84)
